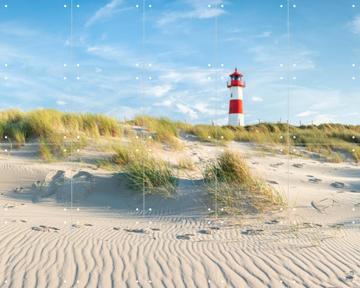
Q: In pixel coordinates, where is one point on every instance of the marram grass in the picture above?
(231, 183)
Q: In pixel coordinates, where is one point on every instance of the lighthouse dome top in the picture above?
(236, 73)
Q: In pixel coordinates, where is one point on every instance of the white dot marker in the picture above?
(5, 5)
(294, 6)
(65, 5)
(137, 6)
(281, 6)
(78, 6)
(150, 5)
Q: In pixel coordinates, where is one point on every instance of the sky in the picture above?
(172, 58)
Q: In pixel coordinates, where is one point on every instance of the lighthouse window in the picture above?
(231, 95)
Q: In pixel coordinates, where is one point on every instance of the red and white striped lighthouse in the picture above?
(236, 112)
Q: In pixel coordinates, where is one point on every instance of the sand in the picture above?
(103, 239)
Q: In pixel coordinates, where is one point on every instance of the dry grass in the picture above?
(232, 184)
(50, 126)
(186, 164)
(163, 129)
(144, 172)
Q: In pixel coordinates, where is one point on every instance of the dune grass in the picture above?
(231, 183)
(332, 141)
(163, 129)
(144, 172)
(151, 176)
(50, 126)
(186, 163)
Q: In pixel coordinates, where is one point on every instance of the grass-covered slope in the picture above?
(334, 141)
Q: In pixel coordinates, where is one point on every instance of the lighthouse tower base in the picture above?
(236, 120)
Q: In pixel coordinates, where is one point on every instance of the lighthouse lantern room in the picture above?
(236, 112)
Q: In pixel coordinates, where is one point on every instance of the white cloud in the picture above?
(257, 99)
(158, 90)
(184, 109)
(106, 12)
(355, 25)
(324, 118)
(112, 53)
(165, 103)
(60, 102)
(306, 113)
(198, 10)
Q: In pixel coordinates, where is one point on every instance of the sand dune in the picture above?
(102, 239)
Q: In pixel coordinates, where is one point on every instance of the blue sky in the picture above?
(180, 62)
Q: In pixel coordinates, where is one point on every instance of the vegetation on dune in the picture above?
(233, 186)
(163, 129)
(334, 142)
(152, 176)
(50, 127)
(44, 123)
(186, 164)
(143, 171)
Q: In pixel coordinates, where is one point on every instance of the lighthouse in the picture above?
(236, 112)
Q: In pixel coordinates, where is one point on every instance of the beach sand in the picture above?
(102, 238)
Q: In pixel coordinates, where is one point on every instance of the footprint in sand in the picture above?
(155, 229)
(276, 165)
(88, 225)
(139, 231)
(315, 180)
(298, 165)
(116, 228)
(184, 237)
(43, 228)
(19, 190)
(273, 221)
(204, 231)
(338, 185)
(252, 231)
(214, 228)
